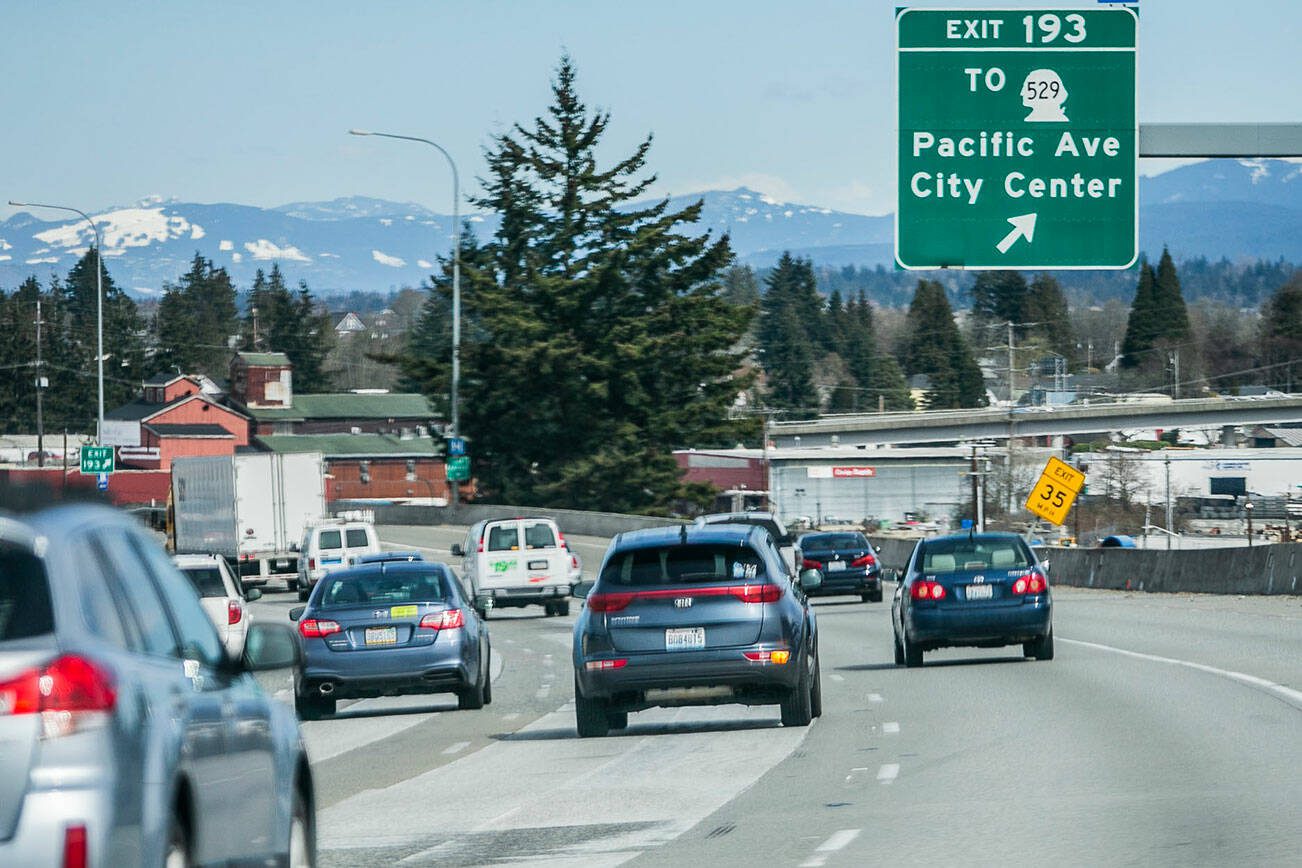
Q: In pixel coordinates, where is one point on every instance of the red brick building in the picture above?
(173, 417)
(371, 466)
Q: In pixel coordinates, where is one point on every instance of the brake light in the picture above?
(574, 561)
(756, 593)
(926, 589)
(1032, 583)
(865, 561)
(595, 665)
(234, 611)
(311, 563)
(778, 657)
(314, 629)
(449, 620)
(807, 564)
(609, 602)
(75, 848)
(70, 693)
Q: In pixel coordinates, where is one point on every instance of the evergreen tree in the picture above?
(195, 320)
(936, 348)
(293, 323)
(597, 337)
(1172, 316)
(1142, 326)
(1047, 306)
(1000, 296)
(789, 313)
(740, 286)
(124, 346)
(1282, 335)
(876, 373)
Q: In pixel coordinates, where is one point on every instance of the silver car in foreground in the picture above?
(127, 735)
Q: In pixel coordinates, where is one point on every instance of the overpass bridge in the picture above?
(951, 426)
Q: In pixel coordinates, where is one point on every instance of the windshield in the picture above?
(386, 589)
(25, 607)
(826, 542)
(206, 580)
(947, 555)
(686, 563)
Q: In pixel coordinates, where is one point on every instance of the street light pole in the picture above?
(453, 407)
(99, 304)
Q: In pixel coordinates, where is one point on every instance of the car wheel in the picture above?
(291, 584)
(472, 698)
(875, 596)
(617, 719)
(481, 612)
(865, 597)
(563, 608)
(912, 653)
(178, 845)
(590, 716)
(899, 651)
(488, 677)
(816, 691)
(313, 707)
(303, 594)
(302, 835)
(1040, 649)
(797, 708)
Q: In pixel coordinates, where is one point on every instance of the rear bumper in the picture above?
(757, 683)
(992, 625)
(527, 595)
(848, 582)
(39, 836)
(387, 672)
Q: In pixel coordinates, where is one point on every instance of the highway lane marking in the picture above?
(1288, 694)
(888, 772)
(875, 697)
(457, 748)
(836, 677)
(839, 841)
(890, 728)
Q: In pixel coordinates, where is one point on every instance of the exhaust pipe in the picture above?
(326, 688)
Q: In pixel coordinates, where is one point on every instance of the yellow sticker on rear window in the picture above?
(403, 611)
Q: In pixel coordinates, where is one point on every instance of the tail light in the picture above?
(449, 620)
(234, 611)
(71, 694)
(1032, 583)
(756, 593)
(311, 563)
(76, 852)
(926, 589)
(807, 564)
(778, 657)
(314, 629)
(609, 602)
(574, 561)
(596, 665)
(865, 561)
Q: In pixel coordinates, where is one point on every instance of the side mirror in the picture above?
(252, 594)
(582, 589)
(458, 551)
(877, 549)
(296, 612)
(810, 579)
(269, 646)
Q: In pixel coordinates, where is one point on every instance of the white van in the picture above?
(329, 546)
(512, 562)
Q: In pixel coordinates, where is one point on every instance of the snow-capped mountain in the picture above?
(1236, 209)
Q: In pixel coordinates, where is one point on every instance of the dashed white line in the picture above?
(836, 677)
(890, 728)
(457, 748)
(839, 841)
(888, 772)
(512, 716)
(875, 697)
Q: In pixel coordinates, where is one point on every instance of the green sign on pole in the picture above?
(96, 459)
(1018, 138)
(459, 468)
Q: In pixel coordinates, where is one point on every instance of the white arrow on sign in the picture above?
(1023, 227)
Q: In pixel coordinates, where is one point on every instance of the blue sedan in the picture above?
(984, 590)
(389, 629)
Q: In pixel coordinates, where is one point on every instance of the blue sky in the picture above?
(248, 100)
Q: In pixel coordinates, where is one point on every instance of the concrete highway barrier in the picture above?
(570, 521)
(1266, 569)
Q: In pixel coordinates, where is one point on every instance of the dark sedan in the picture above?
(984, 590)
(389, 629)
(847, 561)
(701, 615)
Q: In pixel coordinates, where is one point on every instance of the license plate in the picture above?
(684, 638)
(537, 565)
(381, 635)
(835, 566)
(980, 592)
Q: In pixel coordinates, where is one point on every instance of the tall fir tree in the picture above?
(289, 322)
(1047, 307)
(1172, 315)
(1142, 326)
(1281, 338)
(877, 378)
(195, 321)
(598, 336)
(789, 312)
(1000, 297)
(124, 347)
(936, 348)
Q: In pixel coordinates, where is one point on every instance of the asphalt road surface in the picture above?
(1168, 731)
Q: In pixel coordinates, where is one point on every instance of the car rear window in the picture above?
(386, 589)
(25, 606)
(206, 580)
(539, 536)
(827, 542)
(330, 539)
(684, 563)
(504, 539)
(357, 538)
(946, 555)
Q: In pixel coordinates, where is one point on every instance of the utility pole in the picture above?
(1169, 528)
(1175, 373)
(40, 387)
(1010, 363)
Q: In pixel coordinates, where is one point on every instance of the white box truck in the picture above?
(251, 509)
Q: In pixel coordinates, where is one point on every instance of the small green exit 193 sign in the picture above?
(96, 460)
(1018, 138)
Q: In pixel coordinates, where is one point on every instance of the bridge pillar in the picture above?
(1227, 435)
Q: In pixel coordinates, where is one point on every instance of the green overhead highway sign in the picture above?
(96, 460)
(1018, 138)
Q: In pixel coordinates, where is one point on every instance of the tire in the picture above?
(481, 612)
(912, 653)
(177, 854)
(875, 596)
(303, 594)
(1040, 649)
(488, 678)
(816, 691)
(899, 651)
(472, 698)
(866, 597)
(590, 716)
(291, 585)
(617, 719)
(302, 834)
(797, 708)
(563, 608)
(549, 609)
(313, 707)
